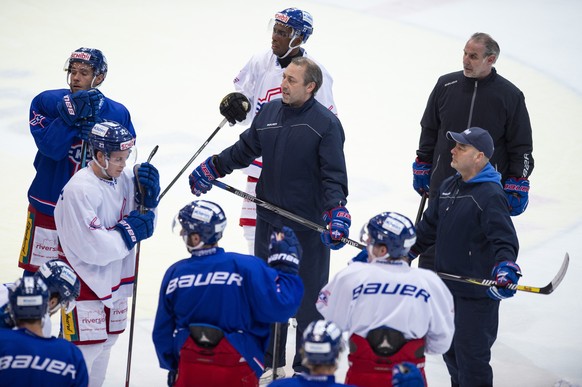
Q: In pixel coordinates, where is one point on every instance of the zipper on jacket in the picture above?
(472, 105)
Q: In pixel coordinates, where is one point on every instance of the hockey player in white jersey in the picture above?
(98, 228)
(260, 81)
(27, 358)
(392, 312)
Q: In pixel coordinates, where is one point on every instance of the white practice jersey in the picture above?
(85, 215)
(260, 81)
(416, 302)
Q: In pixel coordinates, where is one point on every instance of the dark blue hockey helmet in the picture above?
(110, 136)
(29, 299)
(391, 229)
(90, 56)
(203, 218)
(300, 21)
(322, 343)
(62, 282)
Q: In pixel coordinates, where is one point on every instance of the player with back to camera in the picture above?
(215, 307)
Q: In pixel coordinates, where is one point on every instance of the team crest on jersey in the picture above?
(37, 119)
(75, 156)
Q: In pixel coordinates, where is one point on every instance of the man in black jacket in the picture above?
(476, 96)
(304, 172)
(473, 235)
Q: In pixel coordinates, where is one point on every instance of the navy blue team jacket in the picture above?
(472, 229)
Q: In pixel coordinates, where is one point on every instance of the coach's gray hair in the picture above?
(491, 46)
(312, 71)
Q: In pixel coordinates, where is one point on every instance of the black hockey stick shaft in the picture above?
(548, 289)
(276, 349)
(279, 211)
(134, 297)
(83, 154)
(421, 208)
(224, 121)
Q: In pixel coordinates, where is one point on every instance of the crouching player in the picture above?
(215, 307)
(392, 312)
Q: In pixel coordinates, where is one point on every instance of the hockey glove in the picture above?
(201, 178)
(85, 125)
(234, 107)
(517, 191)
(148, 180)
(285, 251)
(339, 221)
(361, 257)
(136, 227)
(504, 273)
(79, 105)
(406, 374)
(421, 176)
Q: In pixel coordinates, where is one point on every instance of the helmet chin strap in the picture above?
(372, 257)
(103, 169)
(192, 248)
(291, 48)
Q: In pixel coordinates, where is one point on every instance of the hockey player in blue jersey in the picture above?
(60, 121)
(215, 308)
(321, 346)
(26, 357)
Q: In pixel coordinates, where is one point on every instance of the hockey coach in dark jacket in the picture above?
(471, 228)
(304, 172)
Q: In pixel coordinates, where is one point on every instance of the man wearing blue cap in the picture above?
(473, 234)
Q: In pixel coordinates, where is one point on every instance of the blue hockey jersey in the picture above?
(238, 293)
(30, 360)
(59, 148)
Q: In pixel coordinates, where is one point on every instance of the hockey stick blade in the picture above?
(282, 212)
(548, 289)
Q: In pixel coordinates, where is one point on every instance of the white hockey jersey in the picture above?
(365, 296)
(85, 215)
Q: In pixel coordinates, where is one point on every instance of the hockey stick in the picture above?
(224, 121)
(548, 289)
(83, 154)
(276, 334)
(421, 208)
(282, 212)
(142, 210)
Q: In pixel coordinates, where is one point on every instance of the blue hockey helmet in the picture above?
(300, 21)
(391, 229)
(203, 218)
(90, 56)
(110, 136)
(62, 282)
(29, 299)
(322, 343)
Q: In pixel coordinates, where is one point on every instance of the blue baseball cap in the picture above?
(477, 137)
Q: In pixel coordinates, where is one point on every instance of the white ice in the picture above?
(171, 62)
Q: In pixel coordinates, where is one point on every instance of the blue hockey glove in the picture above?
(421, 176)
(504, 273)
(234, 107)
(149, 184)
(136, 227)
(79, 105)
(285, 251)
(517, 191)
(201, 178)
(85, 125)
(339, 221)
(406, 374)
(361, 257)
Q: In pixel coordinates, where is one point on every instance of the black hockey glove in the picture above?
(234, 107)
(79, 105)
(136, 227)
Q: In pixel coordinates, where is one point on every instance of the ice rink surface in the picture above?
(171, 63)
